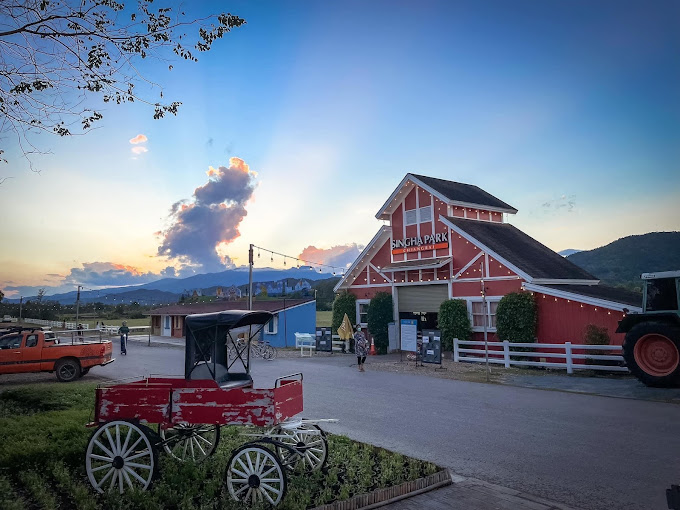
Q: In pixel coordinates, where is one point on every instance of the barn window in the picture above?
(425, 214)
(272, 325)
(411, 217)
(476, 312)
(362, 311)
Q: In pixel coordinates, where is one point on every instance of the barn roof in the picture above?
(272, 306)
(604, 292)
(463, 193)
(534, 260)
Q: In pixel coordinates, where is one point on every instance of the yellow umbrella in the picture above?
(345, 331)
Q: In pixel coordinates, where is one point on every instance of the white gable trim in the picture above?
(580, 298)
(345, 280)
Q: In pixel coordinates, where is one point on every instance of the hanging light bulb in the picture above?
(258, 253)
(284, 261)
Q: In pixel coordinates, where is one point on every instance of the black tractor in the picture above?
(652, 345)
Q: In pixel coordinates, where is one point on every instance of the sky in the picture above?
(296, 127)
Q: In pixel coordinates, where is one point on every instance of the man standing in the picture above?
(123, 332)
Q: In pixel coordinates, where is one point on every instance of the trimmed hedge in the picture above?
(454, 322)
(516, 317)
(380, 314)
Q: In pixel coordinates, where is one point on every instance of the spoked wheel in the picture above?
(269, 353)
(190, 442)
(120, 457)
(308, 441)
(254, 475)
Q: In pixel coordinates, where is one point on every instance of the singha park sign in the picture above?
(424, 243)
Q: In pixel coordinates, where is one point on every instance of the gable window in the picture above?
(477, 315)
(411, 217)
(425, 214)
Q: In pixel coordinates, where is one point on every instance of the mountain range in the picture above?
(619, 263)
(168, 290)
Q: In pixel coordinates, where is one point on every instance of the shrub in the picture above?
(379, 315)
(344, 303)
(454, 322)
(596, 335)
(516, 317)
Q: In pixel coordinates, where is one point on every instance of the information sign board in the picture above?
(432, 346)
(324, 341)
(409, 334)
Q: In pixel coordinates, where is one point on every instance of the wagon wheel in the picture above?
(190, 442)
(119, 457)
(255, 474)
(310, 443)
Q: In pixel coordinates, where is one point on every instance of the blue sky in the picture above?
(569, 111)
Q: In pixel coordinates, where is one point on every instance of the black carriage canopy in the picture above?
(210, 337)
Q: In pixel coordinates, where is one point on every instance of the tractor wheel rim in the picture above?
(657, 355)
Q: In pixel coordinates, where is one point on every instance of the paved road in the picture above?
(581, 450)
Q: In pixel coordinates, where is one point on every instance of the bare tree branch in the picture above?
(56, 56)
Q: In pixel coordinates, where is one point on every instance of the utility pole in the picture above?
(21, 302)
(250, 278)
(78, 304)
(486, 319)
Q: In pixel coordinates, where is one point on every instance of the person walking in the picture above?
(123, 332)
(361, 348)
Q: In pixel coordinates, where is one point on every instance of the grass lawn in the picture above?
(324, 319)
(43, 448)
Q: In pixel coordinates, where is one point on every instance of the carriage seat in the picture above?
(223, 378)
(237, 380)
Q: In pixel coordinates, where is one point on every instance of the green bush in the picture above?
(596, 335)
(344, 303)
(454, 322)
(380, 314)
(516, 318)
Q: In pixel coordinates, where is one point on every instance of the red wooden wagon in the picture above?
(216, 390)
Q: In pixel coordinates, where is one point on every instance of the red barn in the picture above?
(441, 238)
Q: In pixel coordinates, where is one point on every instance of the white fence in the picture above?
(308, 341)
(56, 324)
(565, 351)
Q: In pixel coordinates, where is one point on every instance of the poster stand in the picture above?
(432, 348)
(408, 337)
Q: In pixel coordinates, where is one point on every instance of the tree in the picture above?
(2, 296)
(57, 55)
(454, 322)
(344, 303)
(516, 317)
(380, 314)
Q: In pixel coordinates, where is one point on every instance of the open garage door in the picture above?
(422, 298)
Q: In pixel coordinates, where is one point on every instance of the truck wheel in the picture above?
(67, 370)
(652, 353)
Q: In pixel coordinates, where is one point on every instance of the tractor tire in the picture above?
(67, 370)
(652, 353)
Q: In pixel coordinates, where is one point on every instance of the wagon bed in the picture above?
(174, 401)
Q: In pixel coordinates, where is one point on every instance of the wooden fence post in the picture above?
(567, 350)
(455, 349)
(506, 353)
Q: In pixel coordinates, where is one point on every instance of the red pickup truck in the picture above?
(25, 350)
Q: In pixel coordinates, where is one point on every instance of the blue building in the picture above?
(290, 316)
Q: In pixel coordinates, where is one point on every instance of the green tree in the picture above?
(344, 303)
(59, 55)
(454, 322)
(380, 314)
(516, 317)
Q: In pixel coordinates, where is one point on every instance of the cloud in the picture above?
(562, 204)
(138, 139)
(199, 226)
(92, 275)
(140, 149)
(340, 256)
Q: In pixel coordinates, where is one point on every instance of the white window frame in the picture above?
(273, 324)
(420, 216)
(489, 300)
(415, 211)
(358, 308)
